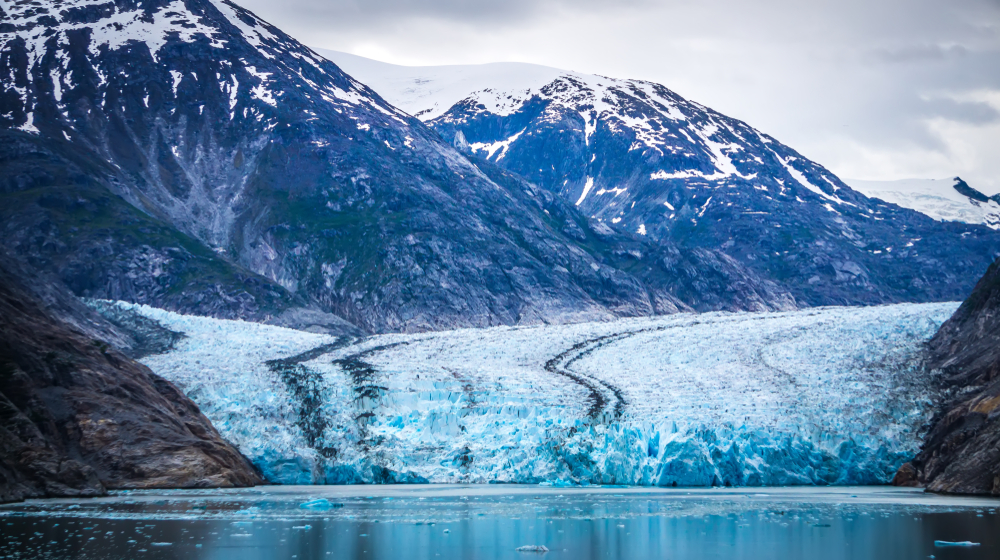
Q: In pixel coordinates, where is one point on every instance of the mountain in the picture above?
(961, 454)
(188, 155)
(944, 199)
(639, 158)
(79, 417)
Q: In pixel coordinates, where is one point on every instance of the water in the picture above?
(491, 522)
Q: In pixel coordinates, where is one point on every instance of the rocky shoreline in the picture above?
(78, 417)
(961, 454)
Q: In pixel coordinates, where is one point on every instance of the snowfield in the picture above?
(936, 198)
(427, 92)
(819, 396)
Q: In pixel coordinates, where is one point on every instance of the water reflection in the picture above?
(492, 522)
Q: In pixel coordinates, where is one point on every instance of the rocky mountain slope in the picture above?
(60, 213)
(77, 417)
(242, 175)
(961, 454)
(641, 159)
(942, 199)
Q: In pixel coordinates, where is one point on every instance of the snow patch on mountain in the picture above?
(492, 148)
(937, 198)
(824, 396)
(119, 28)
(255, 32)
(586, 190)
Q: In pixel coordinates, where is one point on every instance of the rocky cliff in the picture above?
(961, 454)
(78, 417)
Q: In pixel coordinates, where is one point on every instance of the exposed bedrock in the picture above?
(961, 454)
(78, 417)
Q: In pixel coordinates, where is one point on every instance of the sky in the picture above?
(871, 89)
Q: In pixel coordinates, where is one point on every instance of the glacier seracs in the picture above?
(819, 396)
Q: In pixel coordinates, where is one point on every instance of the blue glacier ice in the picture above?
(320, 504)
(830, 396)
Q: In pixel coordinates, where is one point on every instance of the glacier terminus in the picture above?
(828, 396)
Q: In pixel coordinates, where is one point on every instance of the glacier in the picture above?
(939, 199)
(823, 396)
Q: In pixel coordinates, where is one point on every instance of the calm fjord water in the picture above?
(492, 522)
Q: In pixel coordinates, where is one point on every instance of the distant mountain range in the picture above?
(942, 199)
(188, 155)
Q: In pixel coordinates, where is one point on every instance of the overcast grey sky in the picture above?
(872, 89)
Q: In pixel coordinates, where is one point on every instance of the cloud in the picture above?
(919, 53)
(966, 112)
(343, 13)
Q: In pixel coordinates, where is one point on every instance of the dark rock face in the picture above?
(964, 189)
(633, 275)
(60, 214)
(640, 158)
(962, 451)
(242, 175)
(78, 417)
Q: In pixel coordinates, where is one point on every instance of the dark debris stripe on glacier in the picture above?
(364, 382)
(599, 402)
(597, 399)
(307, 387)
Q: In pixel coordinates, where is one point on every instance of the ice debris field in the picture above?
(819, 396)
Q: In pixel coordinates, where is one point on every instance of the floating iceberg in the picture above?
(321, 504)
(819, 396)
(948, 544)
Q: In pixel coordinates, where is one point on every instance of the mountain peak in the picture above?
(677, 139)
(58, 38)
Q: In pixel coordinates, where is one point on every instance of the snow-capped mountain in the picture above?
(942, 199)
(187, 154)
(683, 140)
(641, 159)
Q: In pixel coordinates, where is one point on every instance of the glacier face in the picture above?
(821, 396)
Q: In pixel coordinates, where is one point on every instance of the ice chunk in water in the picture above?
(321, 504)
(944, 544)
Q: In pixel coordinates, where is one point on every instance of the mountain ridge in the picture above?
(639, 158)
(294, 175)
